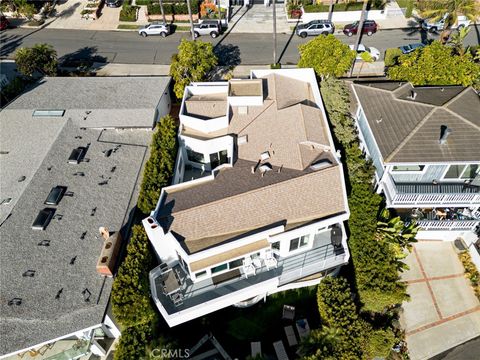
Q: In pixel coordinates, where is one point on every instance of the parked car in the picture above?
(207, 27)
(4, 24)
(362, 48)
(315, 27)
(407, 49)
(155, 29)
(113, 3)
(370, 27)
(434, 26)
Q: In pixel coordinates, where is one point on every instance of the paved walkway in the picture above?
(443, 311)
(258, 19)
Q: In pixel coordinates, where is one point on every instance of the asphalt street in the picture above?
(248, 49)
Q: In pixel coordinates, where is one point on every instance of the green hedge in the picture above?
(143, 2)
(128, 13)
(159, 167)
(172, 9)
(391, 56)
(356, 6)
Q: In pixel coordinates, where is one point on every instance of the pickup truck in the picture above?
(434, 26)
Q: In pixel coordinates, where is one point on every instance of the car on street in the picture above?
(362, 48)
(434, 26)
(4, 24)
(155, 29)
(370, 27)
(315, 27)
(207, 27)
(113, 3)
(407, 49)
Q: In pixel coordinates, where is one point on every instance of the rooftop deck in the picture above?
(319, 258)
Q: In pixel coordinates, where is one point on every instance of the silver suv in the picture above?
(315, 27)
(155, 28)
(207, 27)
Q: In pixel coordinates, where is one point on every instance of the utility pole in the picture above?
(330, 11)
(191, 19)
(161, 10)
(274, 33)
(359, 33)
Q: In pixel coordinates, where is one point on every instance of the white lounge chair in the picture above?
(270, 261)
(280, 350)
(248, 267)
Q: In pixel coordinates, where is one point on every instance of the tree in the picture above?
(436, 64)
(330, 11)
(159, 167)
(366, 58)
(327, 55)
(160, 2)
(189, 7)
(40, 57)
(195, 59)
(131, 289)
(436, 9)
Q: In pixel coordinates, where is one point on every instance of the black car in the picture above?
(113, 3)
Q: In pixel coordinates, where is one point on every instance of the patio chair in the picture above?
(288, 312)
(248, 267)
(270, 261)
(177, 299)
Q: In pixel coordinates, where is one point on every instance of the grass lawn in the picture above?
(340, 7)
(235, 328)
(127, 27)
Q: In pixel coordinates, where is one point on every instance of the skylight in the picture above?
(43, 219)
(49, 112)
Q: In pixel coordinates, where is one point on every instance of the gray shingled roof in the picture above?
(408, 130)
(38, 148)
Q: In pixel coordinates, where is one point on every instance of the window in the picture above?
(219, 158)
(195, 156)
(235, 264)
(200, 274)
(219, 268)
(409, 168)
(276, 245)
(462, 171)
(300, 242)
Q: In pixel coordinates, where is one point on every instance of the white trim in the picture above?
(406, 172)
(459, 179)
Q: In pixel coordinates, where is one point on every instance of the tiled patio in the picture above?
(443, 311)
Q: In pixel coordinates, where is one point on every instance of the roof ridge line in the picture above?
(260, 113)
(402, 86)
(260, 188)
(461, 118)
(449, 102)
(373, 88)
(413, 132)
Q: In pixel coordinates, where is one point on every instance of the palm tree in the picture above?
(191, 19)
(161, 10)
(457, 40)
(330, 11)
(439, 8)
(359, 32)
(274, 33)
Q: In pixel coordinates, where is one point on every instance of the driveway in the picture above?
(443, 311)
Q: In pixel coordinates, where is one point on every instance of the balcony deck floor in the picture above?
(200, 292)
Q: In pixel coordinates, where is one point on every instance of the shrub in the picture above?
(175, 8)
(195, 59)
(159, 167)
(133, 342)
(391, 56)
(145, 2)
(40, 57)
(36, 22)
(128, 13)
(471, 272)
(409, 9)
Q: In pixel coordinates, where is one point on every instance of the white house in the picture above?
(425, 145)
(258, 200)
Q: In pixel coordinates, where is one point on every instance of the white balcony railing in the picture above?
(397, 199)
(448, 225)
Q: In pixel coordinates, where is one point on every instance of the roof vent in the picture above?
(15, 301)
(29, 273)
(444, 132)
(44, 243)
(265, 156)
(86, 295)
(379, 120)
(413, 95)
(6, 201)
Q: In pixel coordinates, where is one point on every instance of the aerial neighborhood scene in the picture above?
(240, 179)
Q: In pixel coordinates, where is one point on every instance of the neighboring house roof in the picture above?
(111, 101)
(238, 201)
(103, 193)
(408, 129)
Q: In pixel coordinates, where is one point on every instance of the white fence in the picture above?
(448, 225)
(344, 16)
